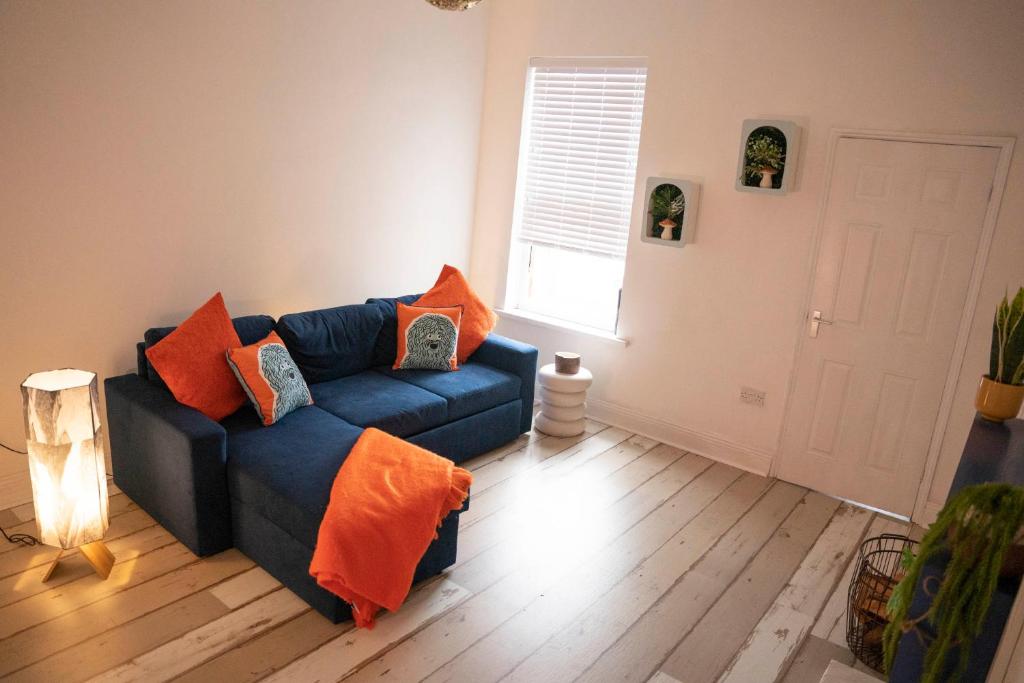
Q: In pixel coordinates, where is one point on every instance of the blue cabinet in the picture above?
(993, 453)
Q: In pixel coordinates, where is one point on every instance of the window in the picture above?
(574, 191)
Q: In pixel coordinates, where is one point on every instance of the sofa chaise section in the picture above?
(279, 481)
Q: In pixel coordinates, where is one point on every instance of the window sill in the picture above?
(561, 325)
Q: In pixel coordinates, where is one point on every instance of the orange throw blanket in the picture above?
(387, 501)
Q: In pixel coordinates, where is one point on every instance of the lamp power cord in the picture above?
(19, 539)
(12, 450)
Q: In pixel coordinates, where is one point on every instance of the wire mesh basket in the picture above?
(879, 568)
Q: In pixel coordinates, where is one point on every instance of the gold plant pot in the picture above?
(998, 402)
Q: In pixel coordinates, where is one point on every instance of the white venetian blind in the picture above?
(578, 165)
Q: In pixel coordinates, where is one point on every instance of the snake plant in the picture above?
(1007, 363)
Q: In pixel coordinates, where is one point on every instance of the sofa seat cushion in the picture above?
(473, 389)
(285, 471)
(371, 399)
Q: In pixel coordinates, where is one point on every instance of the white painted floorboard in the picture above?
(595, 558)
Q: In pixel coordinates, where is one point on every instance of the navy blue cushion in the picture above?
(473, 435)
(141, 362)
(332, 342)
(250, 329)
(386, 348)
(285, 471)
(474, 388)
(371, 399)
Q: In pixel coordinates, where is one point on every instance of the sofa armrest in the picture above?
(518, 358)
(170, 459)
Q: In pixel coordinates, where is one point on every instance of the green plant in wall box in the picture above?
(976, 529)
(1007, 362)
(667, 201)
(763, 152)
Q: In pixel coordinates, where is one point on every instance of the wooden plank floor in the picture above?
(604, 557)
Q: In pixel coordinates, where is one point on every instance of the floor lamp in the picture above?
(66, 462)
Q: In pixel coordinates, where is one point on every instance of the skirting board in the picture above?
(707, 445)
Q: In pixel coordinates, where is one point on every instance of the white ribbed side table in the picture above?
(563, 401)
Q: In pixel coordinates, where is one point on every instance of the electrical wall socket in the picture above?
(752, 396)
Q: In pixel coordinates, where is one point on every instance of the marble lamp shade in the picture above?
(66, 457)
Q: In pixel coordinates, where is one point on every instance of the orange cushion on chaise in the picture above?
(190, 360)
(452, 289)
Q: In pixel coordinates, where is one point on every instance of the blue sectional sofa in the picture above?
(264, 489)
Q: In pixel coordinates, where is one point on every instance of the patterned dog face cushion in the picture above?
(270, 378)
(427, 338)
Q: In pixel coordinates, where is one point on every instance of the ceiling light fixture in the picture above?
(454, 5)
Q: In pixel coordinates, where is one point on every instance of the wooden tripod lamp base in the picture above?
(96, 553)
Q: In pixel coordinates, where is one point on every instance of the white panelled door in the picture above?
(900, 235)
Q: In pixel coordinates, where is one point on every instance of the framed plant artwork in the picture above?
(670, 211)
(768, 154)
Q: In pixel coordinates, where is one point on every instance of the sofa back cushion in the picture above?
(250, 329)
(332, 342)
(386, 348)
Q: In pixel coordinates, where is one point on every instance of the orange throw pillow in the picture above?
(191, 361)
(452, 289)
(270, 378)
(427, 337)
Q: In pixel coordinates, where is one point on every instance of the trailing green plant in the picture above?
(667, 201)
(976, 527)
(1007, 363)
(763, 151)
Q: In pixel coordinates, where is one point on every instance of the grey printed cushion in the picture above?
(427, 338)
(270, 378)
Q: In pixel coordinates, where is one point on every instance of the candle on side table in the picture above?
(567, 362)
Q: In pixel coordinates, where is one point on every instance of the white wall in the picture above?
(292, 154)
(726, 310)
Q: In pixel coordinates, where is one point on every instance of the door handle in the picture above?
(817, 321)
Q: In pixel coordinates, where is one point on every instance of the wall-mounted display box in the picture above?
(769, 150)
(670, 211)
